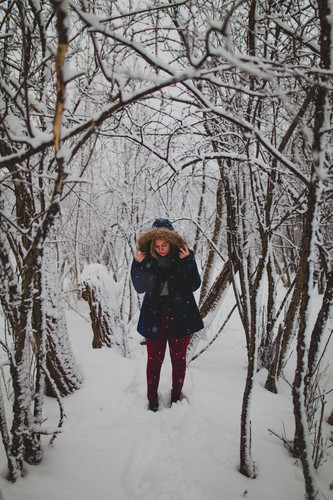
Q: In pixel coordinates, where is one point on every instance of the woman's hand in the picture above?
(139, 256)
(184, 252)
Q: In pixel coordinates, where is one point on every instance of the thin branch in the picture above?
(217, 334)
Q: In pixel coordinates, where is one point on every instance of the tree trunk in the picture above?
(209, 267)
(319, 327)
(98, 289)
(307, 260)
(286, 334)
(246, 463)
(55, 348)
(330, 418)
(6, 439)
(218, 288)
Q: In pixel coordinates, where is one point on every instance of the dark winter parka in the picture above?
(182, 278)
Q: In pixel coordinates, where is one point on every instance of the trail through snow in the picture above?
(112, 448)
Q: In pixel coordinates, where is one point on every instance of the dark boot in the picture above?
(174, 399)
(152, 406)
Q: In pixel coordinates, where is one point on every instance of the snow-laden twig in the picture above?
(57, 394)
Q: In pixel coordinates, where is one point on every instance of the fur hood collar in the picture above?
(159, 233)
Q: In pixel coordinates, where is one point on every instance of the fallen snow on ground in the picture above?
(112, 448)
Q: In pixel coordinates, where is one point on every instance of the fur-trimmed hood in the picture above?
(159, 233)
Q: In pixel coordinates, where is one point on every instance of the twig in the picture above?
(58, 398)
(288, 444)
(76, 310)
(218, 333)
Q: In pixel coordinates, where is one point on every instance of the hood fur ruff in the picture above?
(159, 233)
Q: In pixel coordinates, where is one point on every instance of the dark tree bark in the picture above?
(330, 418)
(108, 329)
(305, 274)
(218, 288)
(101, 332)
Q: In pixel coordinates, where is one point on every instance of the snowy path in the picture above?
(112, 448)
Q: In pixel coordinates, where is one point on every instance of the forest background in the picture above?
(215, 114)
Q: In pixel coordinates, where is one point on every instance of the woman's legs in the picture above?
(178, 348)
(156, 352)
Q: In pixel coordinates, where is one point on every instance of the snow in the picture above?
(111, 447)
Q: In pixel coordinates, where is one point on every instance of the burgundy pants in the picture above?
(156, 351)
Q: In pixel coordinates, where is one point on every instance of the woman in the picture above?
(165, 269)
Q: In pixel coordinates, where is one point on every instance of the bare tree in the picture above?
(226, 103)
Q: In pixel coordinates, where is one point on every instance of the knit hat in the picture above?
(163, 223)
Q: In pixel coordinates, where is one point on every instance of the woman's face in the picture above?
(161, 247)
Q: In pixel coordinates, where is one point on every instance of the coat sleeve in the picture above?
(191, 273)
(140, 275)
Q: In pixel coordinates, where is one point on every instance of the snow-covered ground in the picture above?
(112, 448)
